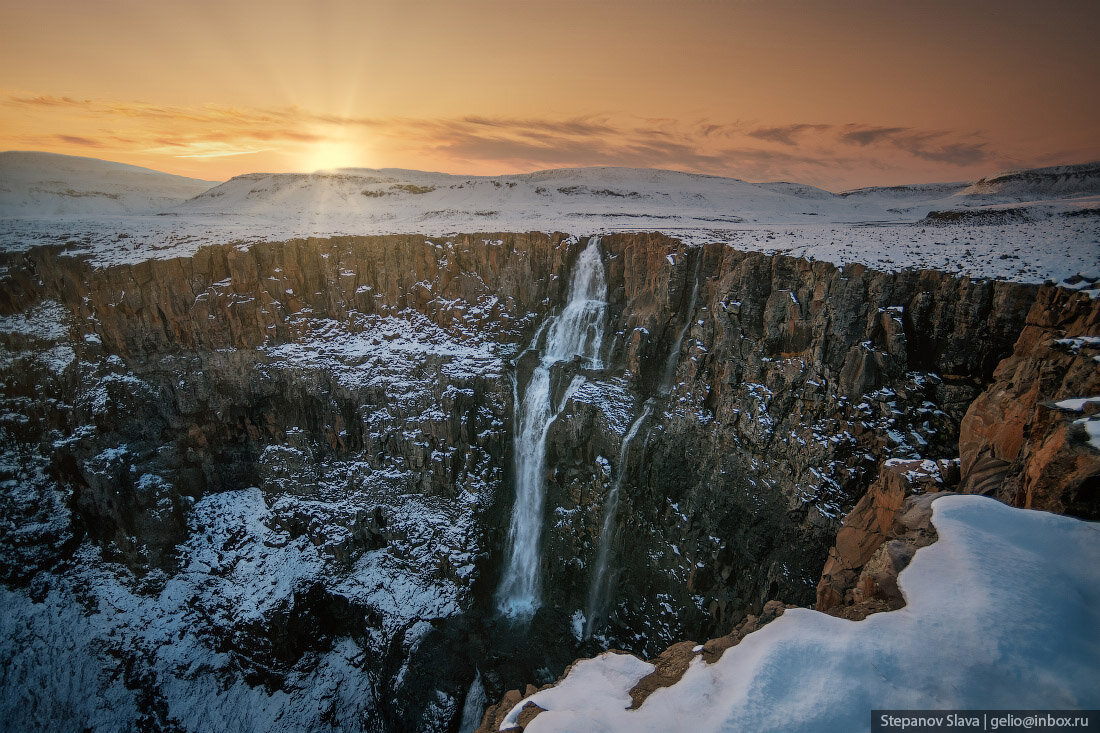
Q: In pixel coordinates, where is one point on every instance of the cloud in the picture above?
(45, 100)
(797, 151)
(77, 140)
(787, 134)
(547, 143)
(937, 146)
(865, 135)
(932, 147)
(574, 126)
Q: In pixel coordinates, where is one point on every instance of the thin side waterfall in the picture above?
(474, 706)
(577, 331)
(599, 585)
(674, 354)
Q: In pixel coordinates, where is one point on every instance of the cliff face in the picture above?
(793, 382)
(343, 408)
(1025, 439)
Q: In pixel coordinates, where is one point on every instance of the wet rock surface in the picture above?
(278, 478)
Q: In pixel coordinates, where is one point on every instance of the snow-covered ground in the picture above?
(1029, 226)
(996, 618)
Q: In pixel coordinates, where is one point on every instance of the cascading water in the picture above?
(674, 355)
(577, 331)
(599, 585)
(474, 707)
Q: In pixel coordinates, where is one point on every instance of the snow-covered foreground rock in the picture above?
(996, 617)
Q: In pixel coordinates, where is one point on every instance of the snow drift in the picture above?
(996, 618)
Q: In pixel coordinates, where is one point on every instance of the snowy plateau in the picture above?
(389, 450)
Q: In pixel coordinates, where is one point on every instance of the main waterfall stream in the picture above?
(577, 331)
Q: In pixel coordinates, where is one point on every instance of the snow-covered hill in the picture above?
(106, 211)
(47, 184)
(1040, 183)
(638, 196)
(615, 197)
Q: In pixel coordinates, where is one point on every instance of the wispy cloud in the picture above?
(787, 134)
(939, 148)
(866, 135)
(77, 140)
(806, 151)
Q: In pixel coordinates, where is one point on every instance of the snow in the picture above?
(46, 321)
(64, 185)
(68, 653)
(1059, 239)
(396, 352)
(1077, 404)
(1076, 344)
(83, 653)
(1021, 636)
(1092, 430)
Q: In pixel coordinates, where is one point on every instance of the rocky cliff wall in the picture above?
(1026, 439)
(365, 388)
(793, 382)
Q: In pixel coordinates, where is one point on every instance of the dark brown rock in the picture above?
(528, 713)
(494, 716)
(670, 667)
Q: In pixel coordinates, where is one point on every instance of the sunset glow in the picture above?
(837, 94)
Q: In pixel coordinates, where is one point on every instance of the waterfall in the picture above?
(599, 584)
(674, 354)
(577, 331)
(474, 707)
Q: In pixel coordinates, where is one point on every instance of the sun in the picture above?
(329, 154)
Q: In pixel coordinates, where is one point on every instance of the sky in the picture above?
(838, 93)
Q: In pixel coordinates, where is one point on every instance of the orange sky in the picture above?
(838, 94)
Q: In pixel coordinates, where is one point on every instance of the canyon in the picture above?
(262, 475)
(278, 478)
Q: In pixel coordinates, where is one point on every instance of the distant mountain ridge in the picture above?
(1078, 179)
(35, 185)
(49, 184)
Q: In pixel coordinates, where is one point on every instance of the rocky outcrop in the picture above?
(880, 535)
(670, 666)
(1020, 442)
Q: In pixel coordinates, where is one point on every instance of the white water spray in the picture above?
(577, 331)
